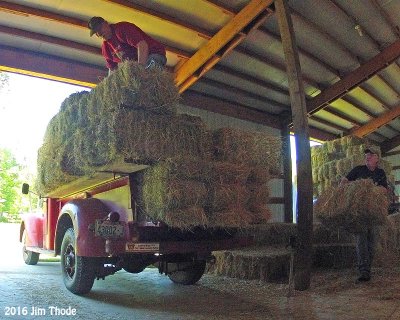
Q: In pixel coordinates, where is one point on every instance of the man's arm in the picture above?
(135, 37)
(143, 52)
(111, 65)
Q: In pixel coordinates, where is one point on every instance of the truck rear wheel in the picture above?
(29, 257)
(190, 275)
(78, 272)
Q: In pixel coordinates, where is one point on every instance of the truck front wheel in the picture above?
(78, 272)
(29, 257)
(190, 275)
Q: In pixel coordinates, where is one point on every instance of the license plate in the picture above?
(108, 229)
(142, 247)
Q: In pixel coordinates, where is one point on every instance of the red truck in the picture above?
(97, 228)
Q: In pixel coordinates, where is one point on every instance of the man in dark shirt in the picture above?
(366, 239)
(125, 41)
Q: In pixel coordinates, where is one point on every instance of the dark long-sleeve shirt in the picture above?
(362, 172)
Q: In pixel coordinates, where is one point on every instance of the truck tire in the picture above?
(190, 275)
(77, 272)
(29, 257)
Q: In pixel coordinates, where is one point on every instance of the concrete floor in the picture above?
(149, 295)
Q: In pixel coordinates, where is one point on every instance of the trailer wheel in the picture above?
(77, 272)
(190, 275)
(29, 257)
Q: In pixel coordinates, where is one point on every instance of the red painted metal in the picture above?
(53, 210)
(33, 223)
(84, 213)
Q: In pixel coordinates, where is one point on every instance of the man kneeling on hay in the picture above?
(126, 41)
(366, 239)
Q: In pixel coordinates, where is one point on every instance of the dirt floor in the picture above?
(39, 292)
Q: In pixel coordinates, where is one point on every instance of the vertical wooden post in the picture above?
(303, 258)
(287, 169)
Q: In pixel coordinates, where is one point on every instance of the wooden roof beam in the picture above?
(253, 14)
(50, 67)
(355, 78)
(376, 123)
(48, 39)
(390, 144)
(217, 105)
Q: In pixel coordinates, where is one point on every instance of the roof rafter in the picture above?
(253, 14)
(390, 144)
(355, 78)
(215, 104)
(376, 123)
(48, 39)
(50, 67)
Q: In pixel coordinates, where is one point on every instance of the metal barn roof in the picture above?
(227, 55)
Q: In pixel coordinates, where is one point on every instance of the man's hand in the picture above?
(343, 181)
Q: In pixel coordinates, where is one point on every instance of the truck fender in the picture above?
(81, 215)
(33, 224)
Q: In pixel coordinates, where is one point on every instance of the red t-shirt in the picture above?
(123, 43)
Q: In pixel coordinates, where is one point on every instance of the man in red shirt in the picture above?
(126, 41)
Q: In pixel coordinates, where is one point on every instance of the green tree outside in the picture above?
(8, 183)
(12, 201)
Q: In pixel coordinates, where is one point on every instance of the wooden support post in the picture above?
(287, 170)
(303, 258)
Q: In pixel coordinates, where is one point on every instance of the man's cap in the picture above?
(373, 150)
(94, 24)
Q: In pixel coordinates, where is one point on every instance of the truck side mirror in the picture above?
(25, 188)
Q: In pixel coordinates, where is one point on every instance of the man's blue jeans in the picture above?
(365, 250)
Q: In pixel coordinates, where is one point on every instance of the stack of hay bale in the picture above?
(196, 177)
(334, 159)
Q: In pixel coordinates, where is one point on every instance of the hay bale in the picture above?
(226, 196)
(357, 160)
(334, 146)
(343, 167)
(258, 175)
(50, 171)
(186, 218)
(260, 215)
(258, 196)
(354, 206)
(252, 148)
(132, 86)
(163, 192)
(229, 173)
(236, 217)
(152, 138)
